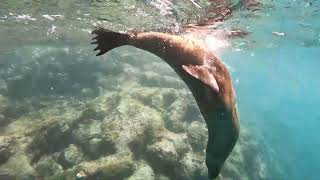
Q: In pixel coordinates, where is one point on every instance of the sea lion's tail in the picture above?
(107, 40)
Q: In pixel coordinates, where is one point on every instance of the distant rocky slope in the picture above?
(65, 114)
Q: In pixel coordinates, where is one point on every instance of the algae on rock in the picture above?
(136, 124)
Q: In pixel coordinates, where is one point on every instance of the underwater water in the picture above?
(278, 86)
(67, 114)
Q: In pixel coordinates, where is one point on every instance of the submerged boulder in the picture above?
(90, 137)
(162, 177)
(3, 87)
(6, 148)
(4, 107)
(4, 103)
(146, 126)
(157, 98)
(197, 135)
(18, 166)
(47, 166)
(180, 143)
(181, 112)
(151, 79)
(162, 156)
(130, 120)
(111, 167)
(71, 156)
(143, 172)
(191, 166)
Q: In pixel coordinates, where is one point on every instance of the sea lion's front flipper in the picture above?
(108, 40)
(203, 74)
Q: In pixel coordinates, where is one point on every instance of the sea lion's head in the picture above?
(216, 99)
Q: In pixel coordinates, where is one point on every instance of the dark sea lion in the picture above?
(205, 75)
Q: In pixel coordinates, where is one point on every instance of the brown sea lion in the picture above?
(205, 75)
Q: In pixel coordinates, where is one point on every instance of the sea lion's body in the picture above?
(205, 75)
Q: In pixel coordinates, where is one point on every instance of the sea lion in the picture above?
(204, 74)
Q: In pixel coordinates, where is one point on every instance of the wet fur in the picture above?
(218, 108)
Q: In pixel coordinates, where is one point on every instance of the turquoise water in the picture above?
(278, 84)
(50, 76)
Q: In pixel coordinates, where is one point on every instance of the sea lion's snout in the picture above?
(223, 135)
(214, 165)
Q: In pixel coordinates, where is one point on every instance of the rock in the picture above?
(180, 113)
(58, 136)
(162, 156)
(161, 68)
(163, 151)
(71, 156)
(117, 169)
(142, 115)
(6, 145)
(51, 140)
(193, 113)
(143, 172)
(109, 83)
(175, 125)
(68, 174)
(98, 147)
(3, 87)
(87, 92)
(15, 111)
(4, 107)
(178, 110)
(117, 166)
(180, 142)
(131, 120)
(81, 175)
(198, 135)
(91, 113)
(19, 167)
(3, 120)
(92, 140)
(161, 177)
(151, 79)
(47, 166)
(160, 99)
(86, 131)
(4, 103)
(192, 166)
(151, 134)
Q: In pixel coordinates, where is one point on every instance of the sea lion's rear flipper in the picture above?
(107, 40)
(203, 74)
